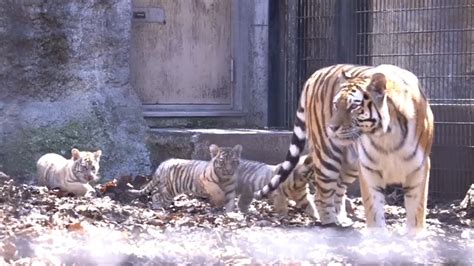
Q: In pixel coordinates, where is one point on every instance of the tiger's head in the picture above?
(360, 107)
(225, 159)
(86, 165)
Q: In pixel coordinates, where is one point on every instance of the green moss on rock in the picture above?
(18, 157)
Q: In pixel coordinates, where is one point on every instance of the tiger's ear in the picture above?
(75, 154)
(377, 87)
(308, 160)
(345, 76)
(237, 149)
(214, 149)
(97, 154)
(377, 91)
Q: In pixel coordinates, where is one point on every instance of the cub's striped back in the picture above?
(252, 176)
(214, 179)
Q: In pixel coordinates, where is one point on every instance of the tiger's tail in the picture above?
(145, 190)
(298, 141)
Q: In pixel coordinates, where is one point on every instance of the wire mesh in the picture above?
(435, 40)
(311, 36)
(432, 38)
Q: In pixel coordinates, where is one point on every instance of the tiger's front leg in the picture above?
(230, 201)
(80, 189)
(309, 206)
(246, 197)
(340, 204)
(325, 195)
(280, 202)
(305, 200)
(348, 176)
(416, 195)
(215, 194)
(373, 198)
(161, 199)
(156, 202)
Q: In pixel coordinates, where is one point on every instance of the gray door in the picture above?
(182, 55)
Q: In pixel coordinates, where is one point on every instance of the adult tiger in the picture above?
(369, 121)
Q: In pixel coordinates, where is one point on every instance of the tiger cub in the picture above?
(212, 179)
(252, 176)
(73, 175)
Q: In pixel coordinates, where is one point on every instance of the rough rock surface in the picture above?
(64, 75)
(47, 227)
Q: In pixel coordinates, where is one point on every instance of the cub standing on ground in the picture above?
(73, 175)
(382, 113)
(214, 179)
(252, 176)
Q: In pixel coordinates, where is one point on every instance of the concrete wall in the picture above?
(64, 74)
(269, 146)
(252, 61)
(65, 82)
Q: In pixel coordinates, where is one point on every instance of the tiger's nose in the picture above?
(334, 128)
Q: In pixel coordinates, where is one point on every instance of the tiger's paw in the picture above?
(345, 222)
(376, 232)
(235, 215)
(330, 225)
(90, 194)
(338, 225)
(156, 206)
(414, 232)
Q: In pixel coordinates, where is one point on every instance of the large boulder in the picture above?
(64, 82)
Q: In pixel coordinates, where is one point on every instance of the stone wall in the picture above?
(251, 60)
(64, 82)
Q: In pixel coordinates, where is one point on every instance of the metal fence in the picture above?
(432, 38)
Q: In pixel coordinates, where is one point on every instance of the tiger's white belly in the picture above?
(393, 165)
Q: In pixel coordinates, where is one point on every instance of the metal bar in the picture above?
(443, 8)
(431, 38)
(292, 59)
(455, 123)
(419, 54)
(416, 32)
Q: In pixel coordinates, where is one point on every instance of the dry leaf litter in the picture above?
(40, 226)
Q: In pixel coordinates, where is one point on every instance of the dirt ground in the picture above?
(47, 227)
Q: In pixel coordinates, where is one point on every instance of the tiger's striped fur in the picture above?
(214, 179)
(73, 175)
(372, 122)
(252, 176)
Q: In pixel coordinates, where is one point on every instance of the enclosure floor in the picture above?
(40, 226)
